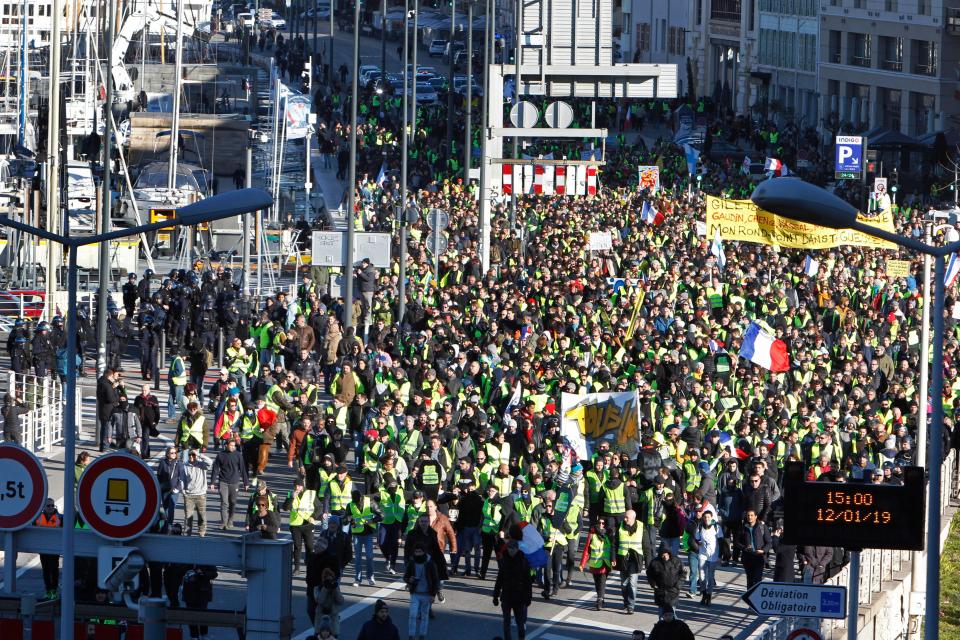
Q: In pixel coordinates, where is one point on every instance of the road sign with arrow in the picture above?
(797, 599)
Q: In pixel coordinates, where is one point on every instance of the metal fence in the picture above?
(42, 424)
(876, 567)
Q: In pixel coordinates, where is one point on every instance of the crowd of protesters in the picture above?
(405, 440)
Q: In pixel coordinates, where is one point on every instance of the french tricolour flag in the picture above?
(811, 266)
(650, 215)
(953, 270)
(759, 347)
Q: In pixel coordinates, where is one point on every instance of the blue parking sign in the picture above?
(849, 158)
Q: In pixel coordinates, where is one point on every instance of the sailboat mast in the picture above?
(22, 84)
(175, 120)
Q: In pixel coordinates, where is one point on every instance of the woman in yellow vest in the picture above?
(598, 558)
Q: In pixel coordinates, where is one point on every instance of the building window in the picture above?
(926, 58)
(891, 51)
(890, 5)
(860, 45)
(923, 7)
(835, 47)
(924, 110)
(643, 36)
(725, 10)
(808, 51)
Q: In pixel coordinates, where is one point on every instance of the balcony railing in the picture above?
(835, 57)
(893, 65)
(925, 69)
(860, 61)
(727, 10)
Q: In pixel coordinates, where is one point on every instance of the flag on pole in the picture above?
(760, 347)
(650, 215)
(953, 270)
(776, 168)
(811, 266)
(692, 155)
(514, 400)
(382, 176)
(716, 248)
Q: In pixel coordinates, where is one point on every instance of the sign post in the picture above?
(849, 157)
(797, 599)
(438, 219)
(118, 496)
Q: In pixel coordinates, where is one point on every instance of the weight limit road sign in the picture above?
(23, 487)
(797, 599)
(118, 496)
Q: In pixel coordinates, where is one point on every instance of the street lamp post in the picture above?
(226, 205)
(799, 200)
(352, 186)
(468, 99)
(404, 141)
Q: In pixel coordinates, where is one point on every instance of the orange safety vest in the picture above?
(43, 522)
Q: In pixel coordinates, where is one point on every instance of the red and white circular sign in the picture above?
(118, 496)
(23, 487)
(804, 634)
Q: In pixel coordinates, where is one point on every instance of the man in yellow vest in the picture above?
(304, 511)
(489, 527)
(363, 515)
(338, 493)
(388, 534)
(192, 431)
(630, 558)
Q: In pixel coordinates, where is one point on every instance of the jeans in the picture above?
(693, 562)
(228, 502)
(673, 544)
(170, 506)
(364, 543)
(174, 400)
(708, 581)
(468, 545)
(629, 584)
(419, 614)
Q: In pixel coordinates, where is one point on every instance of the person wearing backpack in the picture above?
(198, 593)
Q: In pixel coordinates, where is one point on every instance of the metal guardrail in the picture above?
(42, 424)
(876, 567)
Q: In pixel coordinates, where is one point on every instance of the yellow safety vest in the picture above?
(180, 380)
(413, 512)
(599, 553)
(491, 517)
(361, 517)
(614, 500)
(302, 507)
(393, 507)
(194, 430)
(340, 496)
(430, 475)
(631, 541)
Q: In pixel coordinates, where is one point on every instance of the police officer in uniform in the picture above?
(130, 294)
(43, 352)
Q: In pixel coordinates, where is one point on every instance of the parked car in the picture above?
(246, 21)
(368, 73)
(437, 47)
(426, 94)
(275, 21)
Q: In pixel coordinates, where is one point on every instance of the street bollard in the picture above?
(28, 608)
(220, 347)
(161, 361)
(153, 617)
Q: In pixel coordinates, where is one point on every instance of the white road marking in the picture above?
(560, 617)
(357, 607)
(598, 624)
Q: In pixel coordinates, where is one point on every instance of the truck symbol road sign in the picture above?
(797, 599)
(118, 496)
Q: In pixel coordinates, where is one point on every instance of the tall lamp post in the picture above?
(352, 186)
(226, 205)
(798, 200)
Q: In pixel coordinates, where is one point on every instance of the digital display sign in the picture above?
(853, 515)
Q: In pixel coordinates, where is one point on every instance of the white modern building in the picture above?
(658, 32)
